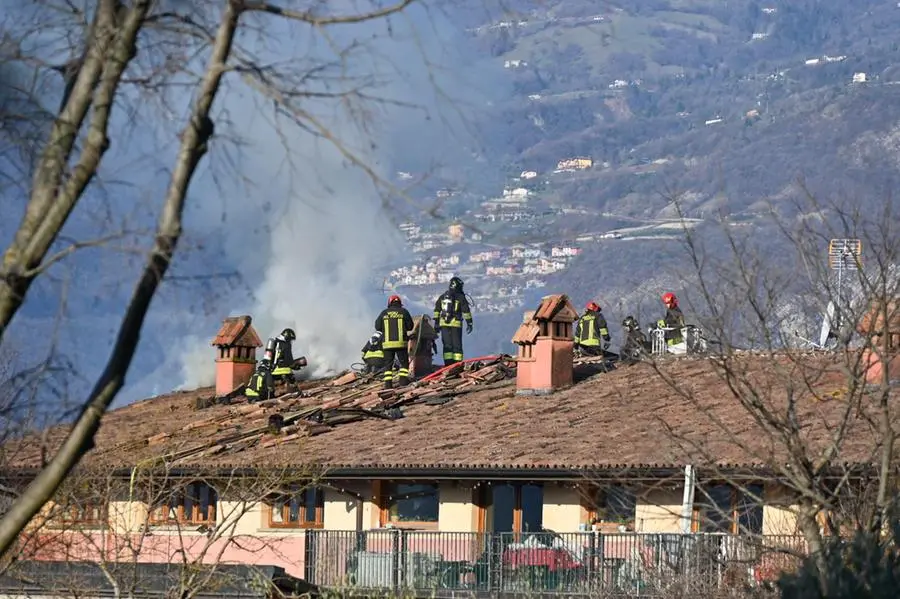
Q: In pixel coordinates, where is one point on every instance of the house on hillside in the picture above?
(577, 163)
(460, 471)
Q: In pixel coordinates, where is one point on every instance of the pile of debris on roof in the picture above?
(317, 409)
(234, 425)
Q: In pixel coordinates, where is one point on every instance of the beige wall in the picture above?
(125, 516)
(562, 508)
(456, 512)
(247, 518)
(659, 510)
(340, 511)
(779, 513)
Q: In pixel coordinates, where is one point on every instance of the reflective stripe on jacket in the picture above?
(372, 351)
(395, 324)
(451, 308)
(591, 328)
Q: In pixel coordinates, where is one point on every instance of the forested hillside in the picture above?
(727, 106)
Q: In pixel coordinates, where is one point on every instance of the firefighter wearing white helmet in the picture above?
(373, 353)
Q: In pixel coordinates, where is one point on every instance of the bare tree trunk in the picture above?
(809, 527)
(194, 139)
(53, 196)
(885, 498)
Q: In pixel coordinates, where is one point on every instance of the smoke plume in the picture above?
(311, 234)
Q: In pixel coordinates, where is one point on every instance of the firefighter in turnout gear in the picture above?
(279, 350)
(450, 310)
(262, 384)
(395, 325)
(591, 334)
(373, 354)
(636, 344)
(673, 320)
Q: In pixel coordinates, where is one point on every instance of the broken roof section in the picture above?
(237, 331)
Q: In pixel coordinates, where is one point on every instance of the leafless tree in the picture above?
(154, 47)
(818, 422)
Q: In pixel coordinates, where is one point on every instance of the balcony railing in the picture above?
(633, 564)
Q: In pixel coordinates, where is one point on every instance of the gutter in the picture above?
(448, 473)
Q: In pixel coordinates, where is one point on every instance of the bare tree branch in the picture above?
(317, 21)
(80, 439)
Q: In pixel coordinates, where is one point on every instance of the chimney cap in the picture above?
(556, 308)
(237, 331)
(553, 308)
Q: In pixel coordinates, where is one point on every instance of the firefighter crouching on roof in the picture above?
(450, 310)
(262, 384)
(636, 344)
(280, 353)
(395, 325)
(673, 321)
(373, 354)
(591, 333)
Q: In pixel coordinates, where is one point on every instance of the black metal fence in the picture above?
(587, 563)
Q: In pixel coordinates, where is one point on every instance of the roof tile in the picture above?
(237, 331)
(630, 417)
(527, 333)
(556, 307)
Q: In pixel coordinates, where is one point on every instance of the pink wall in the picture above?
(285, 551)
(330, 554)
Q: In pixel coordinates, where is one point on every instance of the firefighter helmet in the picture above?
(630, 323)
(375, 339)
(394, 300)
(669, 299)
(456, 284)
(592, 306)
(288, 334)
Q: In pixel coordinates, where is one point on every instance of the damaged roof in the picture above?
(662, 415)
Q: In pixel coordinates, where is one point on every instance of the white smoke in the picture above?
(308, 232)
(312, 258)
(321, 268)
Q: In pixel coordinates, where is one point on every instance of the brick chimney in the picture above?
(879, 329)
(236, 345)
(544, 361)
(420, 354)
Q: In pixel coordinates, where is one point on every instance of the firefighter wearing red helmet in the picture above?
(395, 325)
(673, 320)
(591, 333)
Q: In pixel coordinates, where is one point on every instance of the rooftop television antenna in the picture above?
(843, 255)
